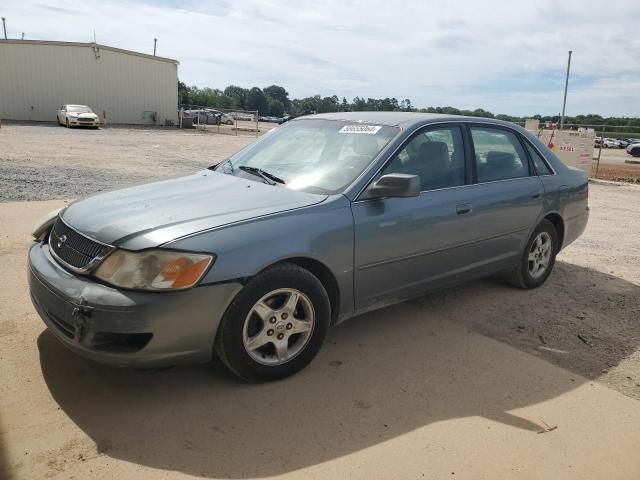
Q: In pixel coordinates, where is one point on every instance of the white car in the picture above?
(610, 143)
(77, 115)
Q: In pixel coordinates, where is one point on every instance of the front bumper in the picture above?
(126, 328)
(84, 123)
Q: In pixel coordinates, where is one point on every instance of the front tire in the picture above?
(538, 258)
(67, 123)
(276, 324)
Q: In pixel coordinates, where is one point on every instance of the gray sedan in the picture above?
(324, 218)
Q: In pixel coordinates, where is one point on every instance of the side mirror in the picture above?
(395, 185)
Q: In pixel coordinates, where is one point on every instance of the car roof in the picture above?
(73, 105)
(401, 119)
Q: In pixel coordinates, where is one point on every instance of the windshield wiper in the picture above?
(266, 176)
(224, 162)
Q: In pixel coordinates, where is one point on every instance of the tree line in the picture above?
(274, 101)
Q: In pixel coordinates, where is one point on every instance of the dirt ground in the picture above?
(616, 165)
(481, 381)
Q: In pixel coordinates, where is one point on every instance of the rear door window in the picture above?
(499, 155)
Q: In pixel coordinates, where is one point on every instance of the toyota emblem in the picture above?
(61, 240)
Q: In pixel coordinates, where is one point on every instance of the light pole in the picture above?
(566, 86)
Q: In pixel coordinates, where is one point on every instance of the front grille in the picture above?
(72, 248)
(90, 120)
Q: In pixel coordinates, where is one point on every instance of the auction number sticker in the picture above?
(368, 129)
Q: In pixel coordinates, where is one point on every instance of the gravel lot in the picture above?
(39, 162)
(460, 382)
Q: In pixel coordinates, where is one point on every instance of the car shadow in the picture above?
(378, 377)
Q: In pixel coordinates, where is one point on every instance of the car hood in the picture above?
(149, 215)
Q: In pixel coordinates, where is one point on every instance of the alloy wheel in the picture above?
(540, 254)
(278, 326)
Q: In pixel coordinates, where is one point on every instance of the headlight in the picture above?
(43, 225)
(154, 269)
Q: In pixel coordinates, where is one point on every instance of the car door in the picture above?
(405, 245)
(507, 196)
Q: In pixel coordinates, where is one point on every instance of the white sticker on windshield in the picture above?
(368, 129)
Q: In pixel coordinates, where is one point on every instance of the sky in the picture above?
(504, 56)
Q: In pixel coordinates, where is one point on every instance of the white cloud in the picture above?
(503, 56)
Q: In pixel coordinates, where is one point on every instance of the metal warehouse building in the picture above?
(37, 77)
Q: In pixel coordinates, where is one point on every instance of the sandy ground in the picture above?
(479, 381)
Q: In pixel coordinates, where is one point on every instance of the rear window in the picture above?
(541, 166)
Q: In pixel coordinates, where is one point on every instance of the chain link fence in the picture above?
(219, 120)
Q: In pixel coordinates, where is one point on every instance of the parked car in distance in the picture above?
(77, 116)
(205, 116)
(610, 143)
(242, 116)
(633, 149)
(622, 142)
(270, 119)
(226, 119)
(322, 219)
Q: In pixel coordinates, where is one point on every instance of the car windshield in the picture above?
(312, 155)
(78, 109)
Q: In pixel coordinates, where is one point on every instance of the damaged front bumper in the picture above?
(122, 327)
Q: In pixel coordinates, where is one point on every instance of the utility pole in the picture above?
(155, 42)
(4, 27)
(566, 86)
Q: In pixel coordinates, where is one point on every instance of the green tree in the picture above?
(276, 107)
(277, 92)
(183, 93)
(257, 100)
(239, 96)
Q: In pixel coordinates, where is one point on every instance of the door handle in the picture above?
(536, 195)
(463, 208)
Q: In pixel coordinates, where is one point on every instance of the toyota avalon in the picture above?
(321, 219)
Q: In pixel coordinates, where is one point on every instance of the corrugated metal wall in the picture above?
(37, 78)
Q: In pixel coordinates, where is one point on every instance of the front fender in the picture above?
(321, 232)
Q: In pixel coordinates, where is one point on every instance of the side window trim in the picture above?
(470, 154)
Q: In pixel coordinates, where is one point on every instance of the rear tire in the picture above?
(538, 258)
(275, 326)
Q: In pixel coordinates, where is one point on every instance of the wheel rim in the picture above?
(540, 255)
(278, 326)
